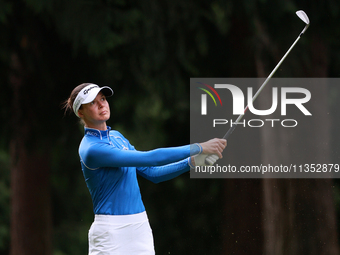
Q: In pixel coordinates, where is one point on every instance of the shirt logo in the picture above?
(92, 133)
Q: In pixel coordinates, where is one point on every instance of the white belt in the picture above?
(121, 219)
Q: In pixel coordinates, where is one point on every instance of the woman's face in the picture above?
(96, 113)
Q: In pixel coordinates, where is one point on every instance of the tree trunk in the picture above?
(242, 231)
(299, 214)
(30, 197)
(242, 227)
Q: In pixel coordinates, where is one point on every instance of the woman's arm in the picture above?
(163, 173)
(105, 155)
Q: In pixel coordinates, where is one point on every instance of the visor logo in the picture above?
(87, 90)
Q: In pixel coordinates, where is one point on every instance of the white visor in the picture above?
(88, 94)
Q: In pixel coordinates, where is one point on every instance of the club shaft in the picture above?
(232, 128)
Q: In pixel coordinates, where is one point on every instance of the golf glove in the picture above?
(203, 159)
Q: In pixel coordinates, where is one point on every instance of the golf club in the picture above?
(303, 16)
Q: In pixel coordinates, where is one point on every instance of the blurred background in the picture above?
(147, 50)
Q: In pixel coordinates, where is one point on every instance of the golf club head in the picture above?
(303, 16)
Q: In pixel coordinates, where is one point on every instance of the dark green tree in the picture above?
(147, 51)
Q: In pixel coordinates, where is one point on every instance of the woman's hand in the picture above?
(214, 146)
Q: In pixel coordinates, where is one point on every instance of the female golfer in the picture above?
(110, 165)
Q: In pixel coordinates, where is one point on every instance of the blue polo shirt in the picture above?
(110, 165)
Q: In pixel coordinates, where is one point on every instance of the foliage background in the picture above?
(146, 51)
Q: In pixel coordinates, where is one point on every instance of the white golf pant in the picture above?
(121, 235)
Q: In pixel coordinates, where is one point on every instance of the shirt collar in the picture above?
(97, 133)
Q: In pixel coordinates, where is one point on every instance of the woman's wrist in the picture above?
(195, 149)
(191, 162)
